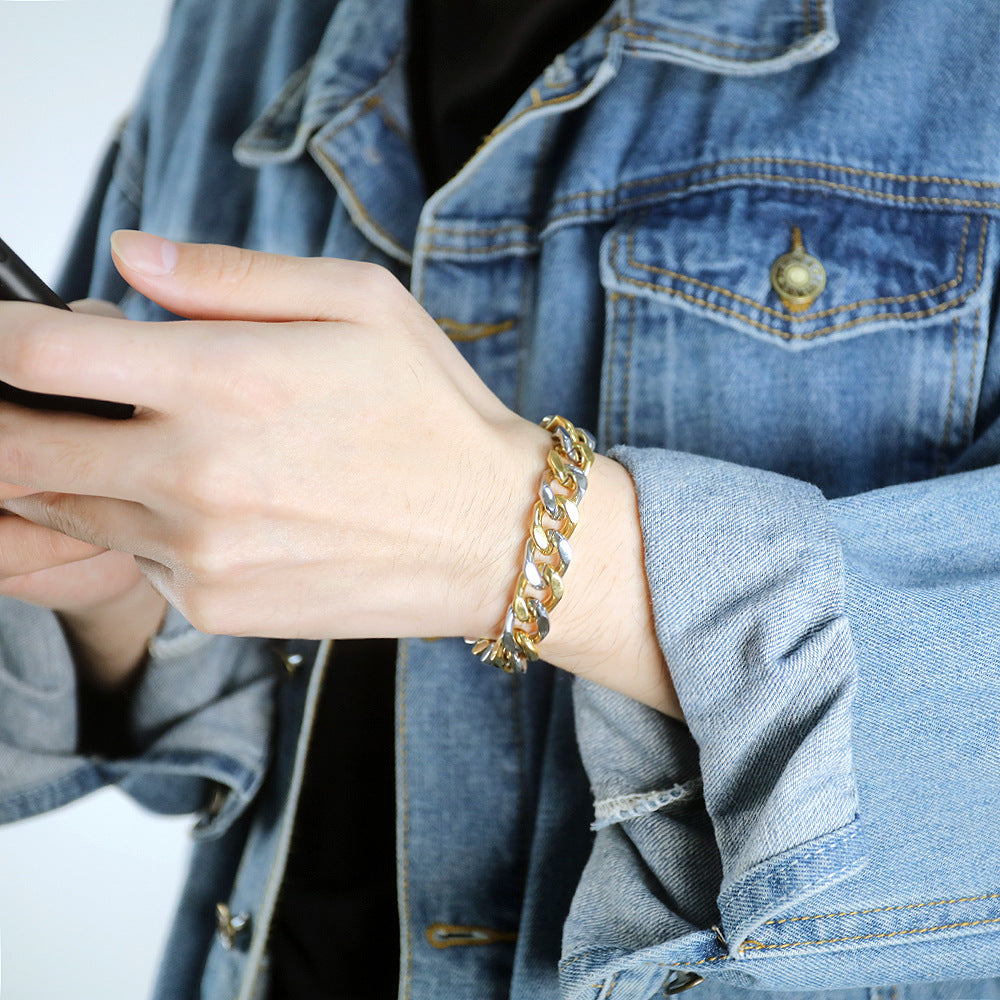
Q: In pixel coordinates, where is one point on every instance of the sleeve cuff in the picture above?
(746, 579)
(201, 720)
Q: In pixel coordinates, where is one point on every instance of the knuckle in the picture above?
(78, 461)
(62, 518)
(200, 486)
(244, 375)
(223, 489)
(226, 267)
(375, 284)
(207, 559)
(375, 291)
(254, 389)
(50, 547)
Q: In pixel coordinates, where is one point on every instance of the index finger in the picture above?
(85, 356)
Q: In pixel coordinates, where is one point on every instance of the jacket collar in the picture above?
(364, 40)
(348, 105)
(729, 36)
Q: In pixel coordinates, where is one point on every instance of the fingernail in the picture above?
(144, 252)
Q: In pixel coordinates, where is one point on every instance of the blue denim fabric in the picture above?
(200, 718)
(816, 489)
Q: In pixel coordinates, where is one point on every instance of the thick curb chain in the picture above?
(547, 552)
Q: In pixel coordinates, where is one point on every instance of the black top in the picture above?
(335, 931)
(335, 934)
(472, 59)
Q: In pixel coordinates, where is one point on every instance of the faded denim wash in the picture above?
(817, 490)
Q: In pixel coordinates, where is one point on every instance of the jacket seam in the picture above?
(751, 945)
(496, 230)
(967, 422)
(369, 104)
(782, 161)
(366, 105)
(946, 433)
(791, 179)
(467, 251)
(807, 31)
(50, 794)
(378, 103)
(537, 102)
(667, 33)
(885, 909)
(778, 161)
(712, 183)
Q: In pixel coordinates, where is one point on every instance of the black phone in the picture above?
(18, 283)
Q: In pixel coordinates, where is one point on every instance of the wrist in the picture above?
(499, 547)
(110, 639)
(602, 628)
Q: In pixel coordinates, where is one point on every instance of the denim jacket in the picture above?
(816, 485)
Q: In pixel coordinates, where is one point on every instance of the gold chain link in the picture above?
(547, 553)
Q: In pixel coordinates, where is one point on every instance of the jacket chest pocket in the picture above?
(856, 365)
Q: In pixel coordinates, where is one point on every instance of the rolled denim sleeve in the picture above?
(200, 718)
(747, 578)
(38, 717)
(203, 712)
(833, 660)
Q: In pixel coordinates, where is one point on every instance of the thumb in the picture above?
(211, 281)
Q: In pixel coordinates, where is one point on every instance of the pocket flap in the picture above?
(739, 37)
(712, 253)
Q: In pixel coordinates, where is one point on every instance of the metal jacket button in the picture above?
(229, 926)
(798, 277)
(216, 801)
(290, 660)
(678, 982)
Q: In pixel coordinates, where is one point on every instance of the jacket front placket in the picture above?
(468, 752)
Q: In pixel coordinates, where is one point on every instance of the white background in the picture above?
(85, 893)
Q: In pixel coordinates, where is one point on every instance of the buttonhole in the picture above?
(458, 935)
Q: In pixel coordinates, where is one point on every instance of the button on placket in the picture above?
(680, 982)
(558, 75)
(290, 659)
(230, 926)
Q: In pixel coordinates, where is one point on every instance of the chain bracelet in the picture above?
(547, 552)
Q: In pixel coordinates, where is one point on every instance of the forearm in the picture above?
(110, 640)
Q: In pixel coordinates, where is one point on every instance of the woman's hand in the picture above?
(311, 456)
(107, 607)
